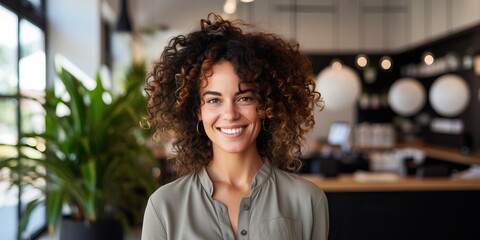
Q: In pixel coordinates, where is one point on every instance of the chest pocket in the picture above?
(282, 229)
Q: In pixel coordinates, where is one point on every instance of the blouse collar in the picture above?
(258, 180)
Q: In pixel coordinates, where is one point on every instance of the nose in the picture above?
(230, 111)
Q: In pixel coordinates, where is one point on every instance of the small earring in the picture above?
(198, 131)
(263, 125)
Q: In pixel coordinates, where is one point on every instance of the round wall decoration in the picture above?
(406, 96)
(449, 95)
(340, 87)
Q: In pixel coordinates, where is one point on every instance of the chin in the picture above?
(233, 149)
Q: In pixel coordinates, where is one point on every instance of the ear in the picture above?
(199, 114)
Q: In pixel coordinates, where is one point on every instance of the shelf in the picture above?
(444, 153)
(448, 154)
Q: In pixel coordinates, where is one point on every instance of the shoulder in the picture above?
(165, 207)
(294, 184)
(174, 190)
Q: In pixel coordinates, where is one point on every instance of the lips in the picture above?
(232, 131)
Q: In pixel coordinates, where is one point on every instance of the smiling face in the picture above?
(229, 114)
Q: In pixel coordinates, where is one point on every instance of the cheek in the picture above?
(252, 113)
(205, 114)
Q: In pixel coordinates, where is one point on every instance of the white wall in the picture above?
(74, 31)
(349, 25)
(327, 25)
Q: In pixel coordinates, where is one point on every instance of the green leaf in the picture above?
(76, 104)
(90, 181)
(54, 204)
(26, 213)
(97, 116)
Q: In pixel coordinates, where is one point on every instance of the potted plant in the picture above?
(96, 163)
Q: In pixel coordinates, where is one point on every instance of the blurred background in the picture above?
(400, 78)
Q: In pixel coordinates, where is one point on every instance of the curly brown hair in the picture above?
(282, 76)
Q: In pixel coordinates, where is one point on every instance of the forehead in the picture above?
(223, 75)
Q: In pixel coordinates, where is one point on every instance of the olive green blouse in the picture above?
(281, 205)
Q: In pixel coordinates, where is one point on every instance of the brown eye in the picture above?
(213, 100)
(245, 99)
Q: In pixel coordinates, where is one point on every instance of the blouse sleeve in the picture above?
(321, 220)
(152, 228)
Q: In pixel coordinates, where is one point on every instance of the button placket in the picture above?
(244, 217)
(224, 221)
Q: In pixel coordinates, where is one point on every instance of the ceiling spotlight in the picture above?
(361, 60)
(386, 62)
(428, 58)
(247, 1)
(230, 6)
(336, 64)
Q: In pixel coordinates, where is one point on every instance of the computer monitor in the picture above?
(339, 134)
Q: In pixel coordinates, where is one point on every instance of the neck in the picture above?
(234, 169)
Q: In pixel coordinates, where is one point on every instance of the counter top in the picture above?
(388, 183)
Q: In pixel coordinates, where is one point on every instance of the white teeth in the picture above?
(231, 130)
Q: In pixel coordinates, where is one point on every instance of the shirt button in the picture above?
(246, 207)
(243, 232)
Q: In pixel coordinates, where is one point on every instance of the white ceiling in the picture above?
(322, 25)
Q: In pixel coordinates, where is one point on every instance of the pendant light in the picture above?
(123, 23)
(230, 6)
(428, 58)
(361, 60)
(385, 61)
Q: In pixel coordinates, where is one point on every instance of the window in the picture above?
(22, 76)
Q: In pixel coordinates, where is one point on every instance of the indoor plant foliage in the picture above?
(96, 160)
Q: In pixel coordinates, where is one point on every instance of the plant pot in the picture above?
(73, 229)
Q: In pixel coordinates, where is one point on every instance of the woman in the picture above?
(238, 102)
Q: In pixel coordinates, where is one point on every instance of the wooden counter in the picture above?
(379, 183)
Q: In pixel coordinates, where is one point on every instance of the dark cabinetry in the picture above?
(461, 44)
(404, 215)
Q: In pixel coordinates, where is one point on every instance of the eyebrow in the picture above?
(219, 94)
